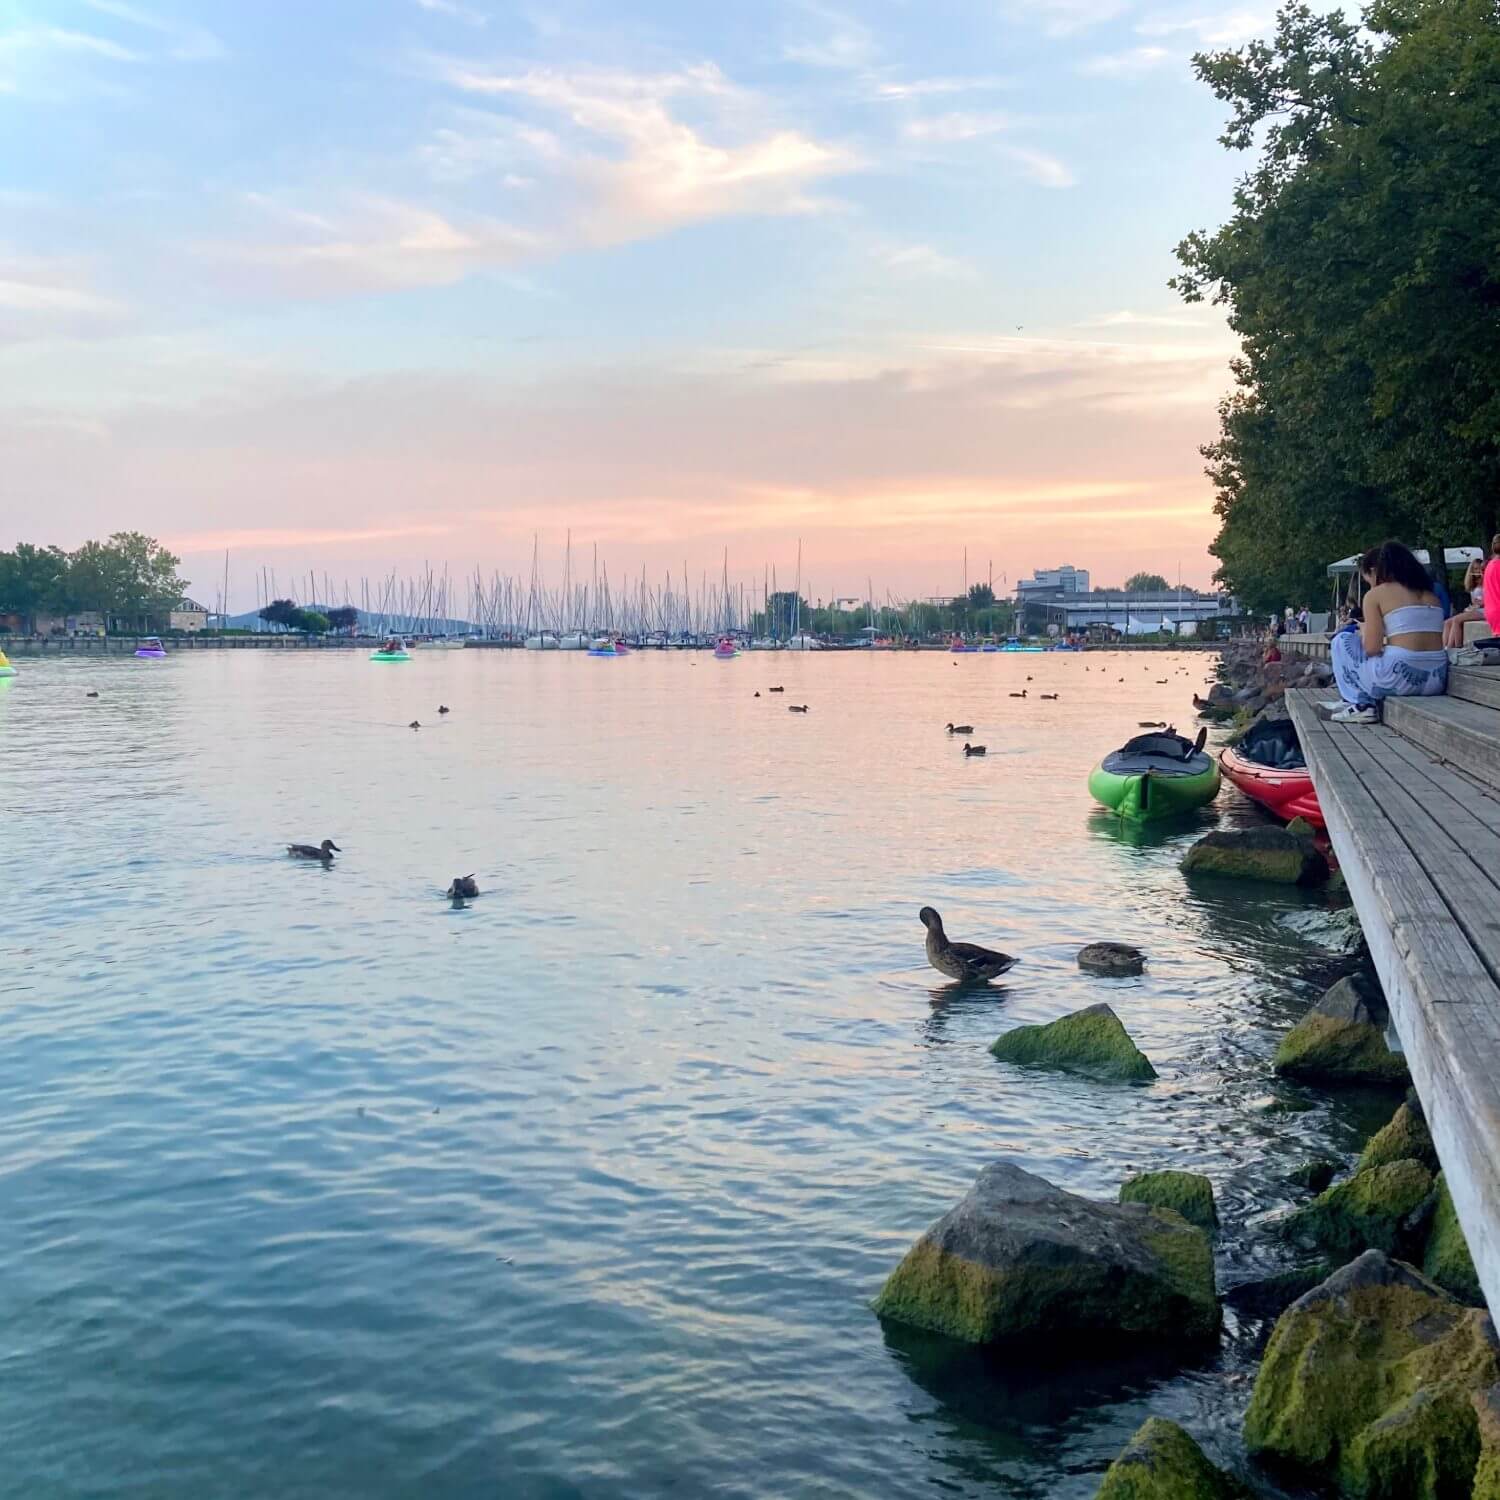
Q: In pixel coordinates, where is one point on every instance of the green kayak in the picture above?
(1155, 776)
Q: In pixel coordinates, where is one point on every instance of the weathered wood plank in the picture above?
(1479, 801)
(1467, 734)
(1475, 685)
(1445, 1004)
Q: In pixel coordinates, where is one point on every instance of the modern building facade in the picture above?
(1065, 579)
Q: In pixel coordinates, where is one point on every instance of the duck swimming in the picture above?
(796, 708)
(1021, 694)
(974, 749)
(960, 729)
(415, 724)
(1051, 696)
(966, 962)
(442, 708)
(324, 851)
(776, 690)
(463, 885)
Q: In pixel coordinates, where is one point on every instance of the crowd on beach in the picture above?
(1399, 638)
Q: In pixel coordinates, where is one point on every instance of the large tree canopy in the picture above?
(129, 576)
(1145, 583)
(1361, 270)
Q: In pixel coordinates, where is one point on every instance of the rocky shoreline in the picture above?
(1381, 1376)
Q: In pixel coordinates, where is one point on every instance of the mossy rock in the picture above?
(1161, 1462)
(1375, 1210)
(1090, 1041)
(1405, 1138)
(1019, 1260)
(1300, 828)
(1187, 1193)
(1446, 1259)
(1369, 1382)
(1487, 1473)
(1315, 1175)
(1270, 854)
(1342, 1039)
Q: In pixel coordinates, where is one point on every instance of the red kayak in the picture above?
(1287, 793)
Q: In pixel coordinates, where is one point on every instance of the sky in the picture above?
(355, 286)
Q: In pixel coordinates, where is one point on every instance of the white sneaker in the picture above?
(1350, 714)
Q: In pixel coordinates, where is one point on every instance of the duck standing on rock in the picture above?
(324, 851)
(966, 962)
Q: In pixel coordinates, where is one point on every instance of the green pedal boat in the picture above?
(1155, 776)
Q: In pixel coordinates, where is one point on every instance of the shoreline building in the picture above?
(1045, 582)
(1106, 614)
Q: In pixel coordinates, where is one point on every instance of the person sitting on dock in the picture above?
(1398, 650)
(1453, 626)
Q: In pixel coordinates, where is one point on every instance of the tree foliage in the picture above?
(291, 616)
(1361, 270)
(1145, 583)
(129, 577)
(345, 617)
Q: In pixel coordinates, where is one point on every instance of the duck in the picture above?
(1151, 724)
(973, 749)
(960, 729)
(796, 708)
(91, 695)
(1161, 682)
(966, 962)
(1021, 694)
(1201, 702)
(757, 695)
(1028, 678)
(324, 851)
(442, 708)
(776, 690)
(1051, 697)
(415, 724)
(463, 885)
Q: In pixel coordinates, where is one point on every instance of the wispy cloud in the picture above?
(283, 539)
(454, 11)
(1128, 319)
(1067, 17)
(928, 88)
(1228, 28)
(636, 166)
(43, 298)
(183, 42)
(1040, 167)
(841, 42)
(924, 260)
(1133, 63)
(956, 126)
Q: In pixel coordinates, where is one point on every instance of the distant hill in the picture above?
(370, 624)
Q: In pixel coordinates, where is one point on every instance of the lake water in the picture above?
(315, 1186)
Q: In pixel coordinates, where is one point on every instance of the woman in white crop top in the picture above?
(1398, 651)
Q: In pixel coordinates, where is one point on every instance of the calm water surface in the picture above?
(314, 1186)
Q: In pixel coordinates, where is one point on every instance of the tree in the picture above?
(345, 617)
(1361, 270)
(33, 579)
(281, 612)
(1145, 583)
(311, 622)
(981, 596)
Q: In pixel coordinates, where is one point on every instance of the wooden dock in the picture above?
(1413, 811)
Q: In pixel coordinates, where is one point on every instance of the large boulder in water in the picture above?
(1018, 1259)
(1187, 1193)
(1369, 1382)
(1342, 1039)
(1161, 1462)
(1382, 1209)
(1090, 1041)
(1404, 1138)
(1267, 853)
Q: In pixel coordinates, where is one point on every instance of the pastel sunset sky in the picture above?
(347, 285)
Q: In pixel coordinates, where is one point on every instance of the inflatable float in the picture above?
(391, 651)
(1267, 765)
(151, 648)
(726, 650)
(1155, 776)
(6, 670)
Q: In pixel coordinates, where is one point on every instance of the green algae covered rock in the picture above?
(1342, 1039)
(1487, 1474)
(1187, 1193)
(1376, 1210)
(1018, 1259)
(1314, 1174)
(1405, 1138)
(1369, 1381)
(1270, 854)
(1161, 1462)
(1090, 1041)
(1447, 1260)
